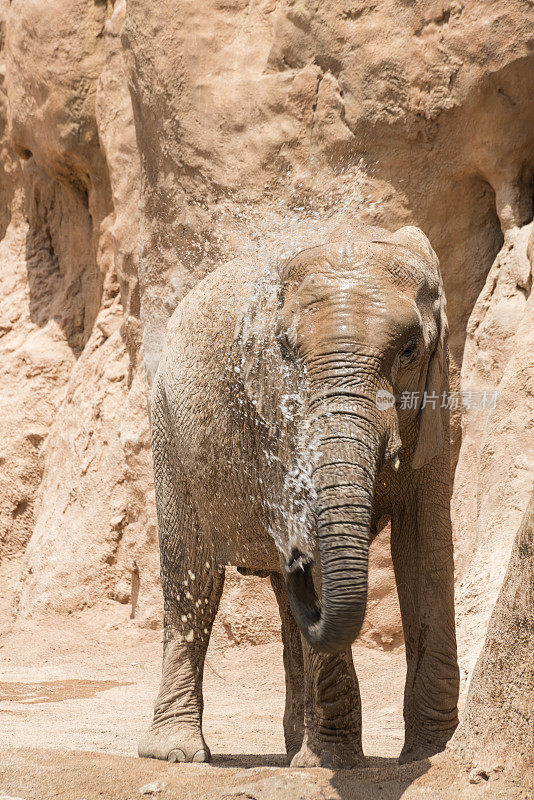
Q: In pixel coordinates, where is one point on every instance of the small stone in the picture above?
(115, 371)
(152, 788)
(477, 775)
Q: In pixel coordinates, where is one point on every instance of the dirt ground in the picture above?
(74, 697)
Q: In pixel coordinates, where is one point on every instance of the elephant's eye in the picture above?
(409, 351)
(285, 346)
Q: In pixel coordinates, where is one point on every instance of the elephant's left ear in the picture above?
(431, 434)
(271, 383)
(255, 340)
(430, 440)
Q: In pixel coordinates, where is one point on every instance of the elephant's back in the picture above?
(204, 322)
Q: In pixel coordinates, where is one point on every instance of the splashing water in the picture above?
(276, 232)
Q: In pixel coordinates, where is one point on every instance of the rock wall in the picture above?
(494, 477)
(496, 732)
(143, 143)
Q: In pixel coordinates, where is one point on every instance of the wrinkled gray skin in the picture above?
(272, 453)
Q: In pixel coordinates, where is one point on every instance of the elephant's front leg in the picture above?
(190, 607)
(421, 547)
(332, 712)
(192, 585)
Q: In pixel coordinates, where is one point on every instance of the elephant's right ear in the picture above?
(415, 240)
(259, 351)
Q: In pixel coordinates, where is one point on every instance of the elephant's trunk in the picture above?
(349, 440)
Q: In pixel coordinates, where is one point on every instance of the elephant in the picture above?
(282, 444)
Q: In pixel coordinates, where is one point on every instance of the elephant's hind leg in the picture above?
(192, 586)
(294, 670)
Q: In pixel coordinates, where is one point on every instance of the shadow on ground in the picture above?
(46, 774)
(248, 761)
(383, 778)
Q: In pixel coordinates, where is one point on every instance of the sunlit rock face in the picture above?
(143, 145)
(78, 492)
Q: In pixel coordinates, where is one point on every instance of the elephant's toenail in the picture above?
(176, 755)
(200, 756)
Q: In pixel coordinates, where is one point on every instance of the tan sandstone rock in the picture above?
(497, 730)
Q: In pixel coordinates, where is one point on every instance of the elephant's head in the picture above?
(358, 319)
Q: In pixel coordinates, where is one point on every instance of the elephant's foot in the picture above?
(333, 755)
(292, 748)
(294, 736)
(423, 747)
(174, 743)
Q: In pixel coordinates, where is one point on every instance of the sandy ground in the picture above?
(74, 697)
